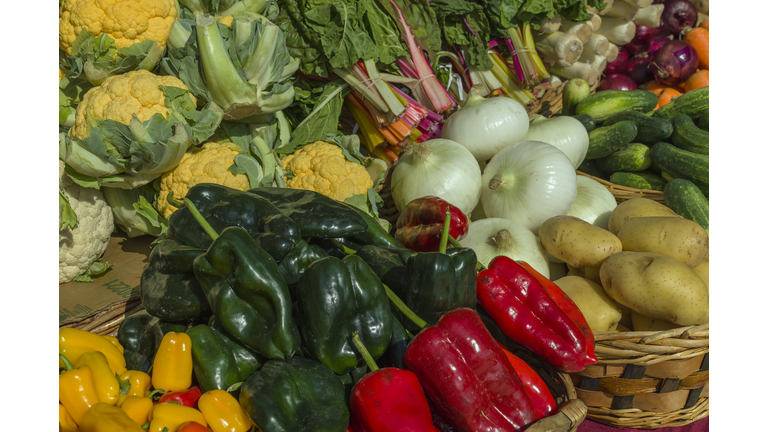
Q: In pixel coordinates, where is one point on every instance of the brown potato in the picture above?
(626, 315)
(674, 237)
(657, 286)
(636, 207)
(641, 322)
(601, 312)
(578, 243)
(703, 271)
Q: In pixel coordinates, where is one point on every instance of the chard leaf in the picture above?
(341, 34)
(465, 24)
(420, 19)
(322, 122)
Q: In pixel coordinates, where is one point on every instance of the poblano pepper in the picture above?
(387, 263)
(376, 234)
(295, 395)
(335, 298)
(223, 207)
(296, 262)
(169, 289)
(140, 334)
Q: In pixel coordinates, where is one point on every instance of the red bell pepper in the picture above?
(186, 397)
(388, 400)
(569, 307)
(420, 224)
(537, 390)
(467, 376)
(527, 314)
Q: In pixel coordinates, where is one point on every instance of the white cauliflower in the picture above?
(83, 246)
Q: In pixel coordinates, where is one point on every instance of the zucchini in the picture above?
(587, 120)
(639, 180)
(680, 163)
(632, 158)
(685, 199)
(650, 130)
(606, 103)
(574, 91)
(607, 139)
(688, 136)
(693, 104)
(704, 120)
(590, 167)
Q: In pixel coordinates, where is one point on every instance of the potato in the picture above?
(593, 274)
(577, 242)
(621, 329)
(641, 322)
(557, 270)
(674, 237)
(601, 312)
(626, 315)
(636, 207)
(657, 286)
(703, 271)
(577, 271)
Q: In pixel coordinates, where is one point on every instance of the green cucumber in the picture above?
(590, 167)
(693, 104)
(634, 157)
(688, 136)
(704, 120)
(639, 180)
(606, 103)
(685, 199)
(607, 139)
(681, 163)
(587, 120)
(650, 130)
(574, 91)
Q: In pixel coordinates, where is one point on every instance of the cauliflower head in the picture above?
(121, 96)
(81, 247)
(126, 21)
(208, 164)
(322, 167)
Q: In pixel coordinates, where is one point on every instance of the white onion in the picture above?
(565, 133)
(485, 126)
(437, 167)
(594, 202)
(528, 183)
(492, 237)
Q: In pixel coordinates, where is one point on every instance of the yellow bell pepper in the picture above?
(73, 343)
(138, 408)
(139, 382)
(113, 340)
(171, 416)
(107, 418)
(66, 423)
(107, 386)
(172, 368)
(223, 412)
(77, 390)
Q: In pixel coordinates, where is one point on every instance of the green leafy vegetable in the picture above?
(465, 24)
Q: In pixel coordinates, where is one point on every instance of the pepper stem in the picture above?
(404, 309)
(446, 230)
(172, 201)
(201, 220)
(454, 242)
(67, 363)
(364, 352)
(151, 395)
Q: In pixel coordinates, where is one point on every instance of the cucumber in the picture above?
(606, 103)
(640, 180)
(693, 104)
(587, 120)
(574, 91)
(704, 120)
(590, 167)
(685, 199)
(650, 130)
(632, 158)
(688, 136)
(681, 163)
(607, 139)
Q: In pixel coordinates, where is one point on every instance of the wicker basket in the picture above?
(107, 322)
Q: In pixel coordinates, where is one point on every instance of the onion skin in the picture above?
(674, 63)
(617, 81)
(656, 44)
(640, 71)
(619, 65)
(642, 40)
(678, 14)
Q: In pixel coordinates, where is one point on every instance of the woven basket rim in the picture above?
(626, 192)
(645, 348)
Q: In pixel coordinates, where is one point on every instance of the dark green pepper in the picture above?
(393, 356)
(375, 235)
(316, 214)
(297, 260)
(169, 289)
(297, 394)
(387, 263)
(351, 378)
(219, 360)
(247, 294)
(336, 298)
(140, 334)
(223, 207)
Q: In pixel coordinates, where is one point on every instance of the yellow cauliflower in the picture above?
(126, 21)
(120, 96)
(209, 164)
(322, 167)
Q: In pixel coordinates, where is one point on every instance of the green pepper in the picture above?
(140, 334)
(247, 293)
(297, 394)
(351, 378)
(316, 214)
(387, 263)
(375, 235)
(218, 360)
(169, 289)
(393, 356)
(335, 298)
(297, 261)
(223, 207)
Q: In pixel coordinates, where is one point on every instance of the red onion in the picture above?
(619, 65)
(674, 62)
(617, 81)
(656, 44)
(679, 14)
(639, 69)
(642, 40)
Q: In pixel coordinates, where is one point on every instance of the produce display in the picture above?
(360, 219)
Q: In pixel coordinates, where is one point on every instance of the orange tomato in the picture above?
(705, 24)
(666, 96)
(698, 38)
(697, 80)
